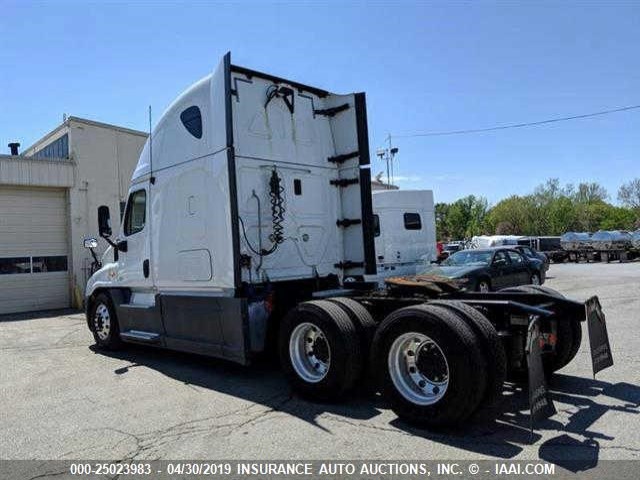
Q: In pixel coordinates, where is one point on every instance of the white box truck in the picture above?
(249, 226)
(404, 225)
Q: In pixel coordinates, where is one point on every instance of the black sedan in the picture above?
(489, 269)
(532, 253)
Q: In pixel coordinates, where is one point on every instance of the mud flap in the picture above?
(540, 402)
(601, 356)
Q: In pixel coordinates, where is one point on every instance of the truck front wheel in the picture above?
(320, 350)
(104, 323)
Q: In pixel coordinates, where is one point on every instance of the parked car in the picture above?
(532, 253)
(448, 249)
(489, 269)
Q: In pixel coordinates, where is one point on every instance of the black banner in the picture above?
(601, 356)
(420, 469)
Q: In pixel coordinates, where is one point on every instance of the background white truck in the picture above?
(405, 231)
(249, 225)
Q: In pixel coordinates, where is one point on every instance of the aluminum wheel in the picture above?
(418, 368)
(102, 321)
(309, 352)
(535, 279)
(483, 286)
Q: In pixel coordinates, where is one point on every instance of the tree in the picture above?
(590, 192)
(442, 212)
(629, 194)
(515, 214)
(591, 215)
(466, 217)
(562, 216)
(552, 209)
(505, 228)
(618, 218)
(552, 190)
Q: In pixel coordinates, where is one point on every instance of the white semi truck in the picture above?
(405, 231)
(249, 226)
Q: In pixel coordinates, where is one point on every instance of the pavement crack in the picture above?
(47, 475)
(150, 444)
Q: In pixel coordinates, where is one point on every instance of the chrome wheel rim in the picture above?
(102, 321)
(309, 352)
(535, 279)
(483, 287)
(418, 368)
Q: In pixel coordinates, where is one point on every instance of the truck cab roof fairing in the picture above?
(208, 95)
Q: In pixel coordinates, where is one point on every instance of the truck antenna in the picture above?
(151, 179)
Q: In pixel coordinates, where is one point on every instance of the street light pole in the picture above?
(388, 154)
(389, 149)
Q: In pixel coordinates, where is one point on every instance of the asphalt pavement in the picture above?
(63, 399)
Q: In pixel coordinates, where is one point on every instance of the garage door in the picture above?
(33, 249)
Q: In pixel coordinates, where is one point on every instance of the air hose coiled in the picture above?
(276, 198)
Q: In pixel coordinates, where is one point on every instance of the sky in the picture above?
(425, 67)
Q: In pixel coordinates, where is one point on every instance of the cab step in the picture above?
(140, 336)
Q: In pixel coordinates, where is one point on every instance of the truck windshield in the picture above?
(468, 257)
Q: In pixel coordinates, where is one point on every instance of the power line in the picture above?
(517, 125)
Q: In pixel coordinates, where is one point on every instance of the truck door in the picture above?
(133, 261)
(139, 317)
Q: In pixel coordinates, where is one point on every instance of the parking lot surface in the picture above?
(63, 399)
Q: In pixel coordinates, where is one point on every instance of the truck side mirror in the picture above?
(104, 221)
(90, 243)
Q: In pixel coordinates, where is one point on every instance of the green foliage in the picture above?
(550, 210)
(618, 218)
(514, 215)
(442, 211)
(463, 218)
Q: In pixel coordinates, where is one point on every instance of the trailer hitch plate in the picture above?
(601, 356)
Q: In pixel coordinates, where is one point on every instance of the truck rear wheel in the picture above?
(104, 323)
(360, 317)
(320, 350)
(569, 332)
(492, 347)
(429, 365)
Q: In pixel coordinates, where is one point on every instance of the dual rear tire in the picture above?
(438, 363)
(322, 347)
(435, 364)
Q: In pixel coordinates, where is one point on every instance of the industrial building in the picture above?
(49, 197)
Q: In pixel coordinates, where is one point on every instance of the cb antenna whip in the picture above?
(151, 179)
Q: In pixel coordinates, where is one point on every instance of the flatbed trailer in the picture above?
(249, 227)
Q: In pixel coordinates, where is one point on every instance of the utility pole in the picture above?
(388, 155)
